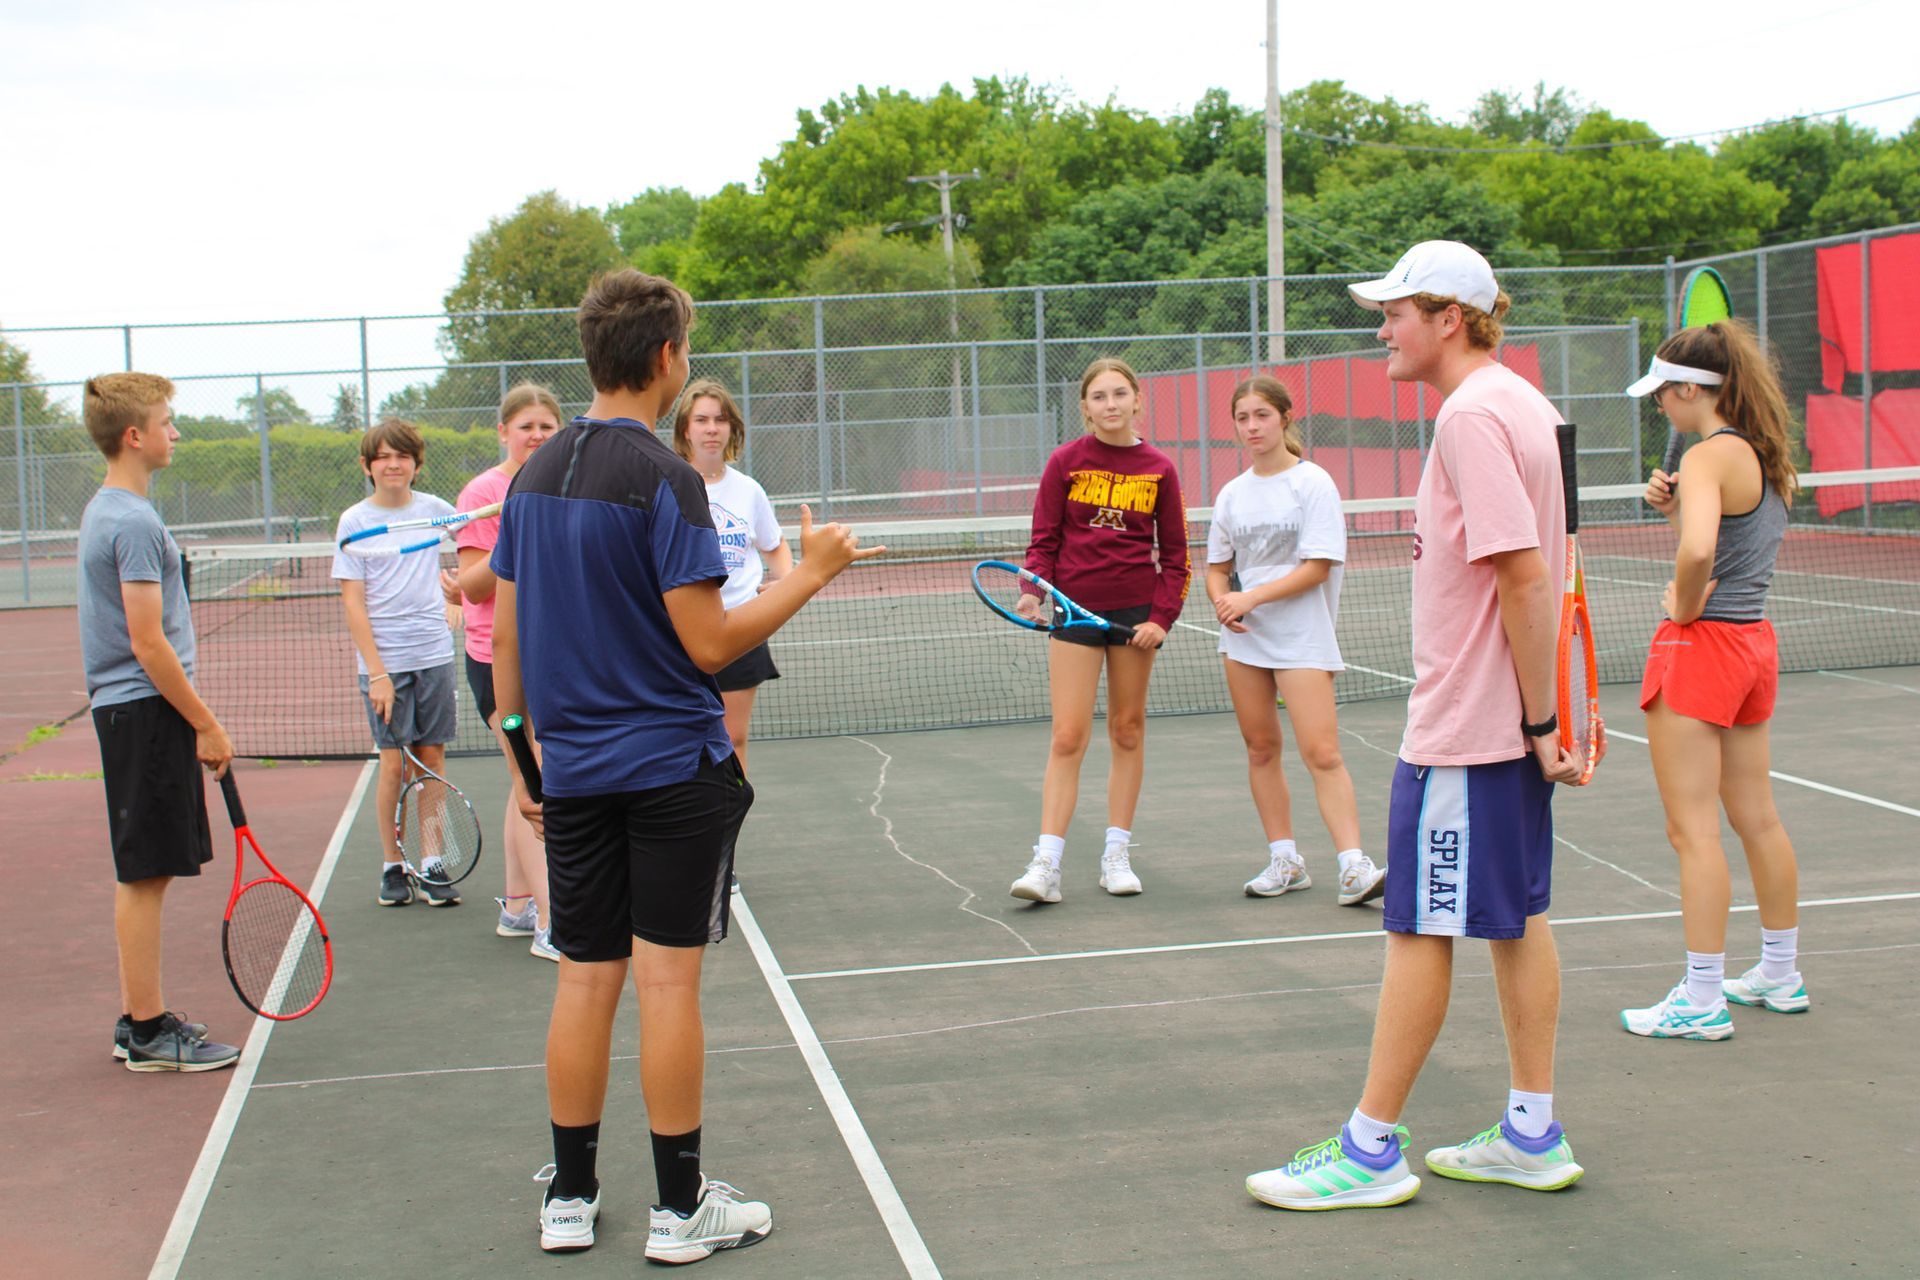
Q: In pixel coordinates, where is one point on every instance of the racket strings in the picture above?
(439, 834)
(1006, 589)
(276, 950)
(1580, 691)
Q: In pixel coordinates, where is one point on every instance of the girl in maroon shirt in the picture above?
(1110, 530)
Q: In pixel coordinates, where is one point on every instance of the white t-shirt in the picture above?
(1266, 526)
(743, 517)
(403, 592)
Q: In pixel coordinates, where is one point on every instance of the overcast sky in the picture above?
(213, 159)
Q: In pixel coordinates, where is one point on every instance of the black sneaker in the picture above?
(436, 895)
(395, 889)
(123, 1034)
(174, 1048)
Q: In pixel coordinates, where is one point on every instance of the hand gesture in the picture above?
(1033, 607)
(450, 587)
(1663, 492)
(1231, 607)
(829, 549)
(1556, 762)
(214, 748)
(380, 694)
(1148, 636)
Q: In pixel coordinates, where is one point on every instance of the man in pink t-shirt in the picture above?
(1470, 824)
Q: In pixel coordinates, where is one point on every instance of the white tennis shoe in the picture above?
(724, 1219)
(1283, 875)
(1361, 881)
(1116, 872)
(566, 1223)
(1040, 882)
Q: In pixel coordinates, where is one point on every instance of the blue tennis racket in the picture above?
(358, 543)
(1028, 600)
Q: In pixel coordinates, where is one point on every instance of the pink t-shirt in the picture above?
(485, 489)
(1491, 484)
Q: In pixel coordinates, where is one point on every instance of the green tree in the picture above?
(1548, 117)
(655, 228)
(543, 255)
(16, 366)
(279, 404)
(1633, 203)
(1802, 158)
(349, 414)
(1218, 132)
(1873, 190)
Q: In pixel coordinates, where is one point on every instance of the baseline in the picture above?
(1809, 783)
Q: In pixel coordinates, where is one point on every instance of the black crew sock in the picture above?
(146, 1028)
(676, 1171)
(574, 1149)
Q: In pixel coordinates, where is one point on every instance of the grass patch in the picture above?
(43, 732)
(59, 777)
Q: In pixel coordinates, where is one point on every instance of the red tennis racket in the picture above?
(278, 955)
(1578, 682)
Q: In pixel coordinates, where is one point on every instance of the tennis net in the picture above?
(899, 642)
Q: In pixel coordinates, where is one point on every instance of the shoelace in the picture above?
(1318, 1154)
(729, 1194)
(1482, 1138)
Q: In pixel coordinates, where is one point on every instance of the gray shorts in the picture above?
(422, 709)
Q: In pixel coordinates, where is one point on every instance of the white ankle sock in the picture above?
(1372, 1136)
(1282, 851)
(388, 866)
(1705, 972)
(1051, 848)
(1349, 856)
(1779, 948)
(1119, 836)
(1530, 1113)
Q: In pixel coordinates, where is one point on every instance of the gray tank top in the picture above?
(1743, 558)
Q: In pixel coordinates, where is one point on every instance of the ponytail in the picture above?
(1751, 399)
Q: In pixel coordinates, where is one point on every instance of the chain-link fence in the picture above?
(917, 404)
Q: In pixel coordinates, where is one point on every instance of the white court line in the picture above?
(991, 1023)
(186, 1215)
(1351, 666)
(992, 962)
(1884, 684)
(1804, 782)
(886, 1198)
(1775, 595)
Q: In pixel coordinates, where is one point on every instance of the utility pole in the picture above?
(945, 182)
(1276, 227)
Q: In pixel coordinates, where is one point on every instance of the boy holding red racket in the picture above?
(1470, 830)
(136, 641)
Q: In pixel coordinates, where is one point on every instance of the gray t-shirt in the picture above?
(122, 539)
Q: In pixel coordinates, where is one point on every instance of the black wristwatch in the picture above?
(1541, 730)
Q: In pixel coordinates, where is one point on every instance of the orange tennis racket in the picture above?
(1577, 676)
(278, 955)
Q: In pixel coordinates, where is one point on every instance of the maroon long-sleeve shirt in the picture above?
(1096, 519)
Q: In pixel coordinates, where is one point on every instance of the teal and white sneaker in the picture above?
(1789, 995)
(1678, 1018)
(1336, 1174)
(1504, 1154)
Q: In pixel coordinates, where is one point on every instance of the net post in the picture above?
(824, 448)
(1040, 432)
(979, 458)
(1866, 372)
(266, 457)
(1204, 435)
(366, 380)
(20, 489)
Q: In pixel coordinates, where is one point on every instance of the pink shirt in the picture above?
(485, 489)
(1491, 484)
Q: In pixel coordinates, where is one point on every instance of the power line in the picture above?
(1541, 148)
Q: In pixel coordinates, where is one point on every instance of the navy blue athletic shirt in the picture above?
(600, 523)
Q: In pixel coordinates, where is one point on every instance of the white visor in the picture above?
(1660, 372)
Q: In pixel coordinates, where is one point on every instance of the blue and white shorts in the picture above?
(1469, 849)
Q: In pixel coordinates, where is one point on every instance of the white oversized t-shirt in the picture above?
(743, 517)
(404, 602)
(1267, 526)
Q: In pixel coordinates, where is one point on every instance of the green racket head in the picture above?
(1704, 299)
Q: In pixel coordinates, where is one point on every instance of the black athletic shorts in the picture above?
(748, 671)
(480, 680)
(1131, 616)
(156, 790)
(649, 864)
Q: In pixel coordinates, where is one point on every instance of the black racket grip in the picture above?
(1676, 443)
(230, 791)
(1118, 629)
(1569, 474)
(515, 727)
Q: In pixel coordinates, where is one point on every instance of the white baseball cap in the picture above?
(1445, 268)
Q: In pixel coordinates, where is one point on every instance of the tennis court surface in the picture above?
(924, 1076)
